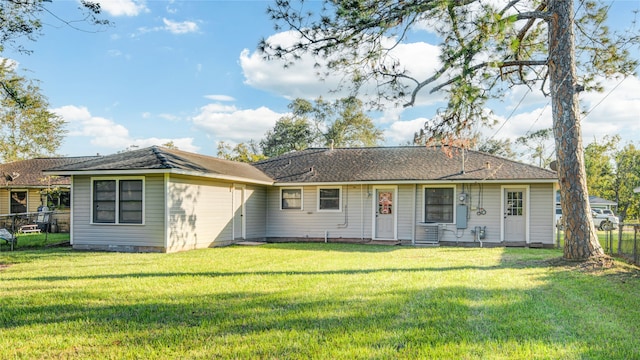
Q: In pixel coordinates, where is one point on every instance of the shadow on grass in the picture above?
(404, 312)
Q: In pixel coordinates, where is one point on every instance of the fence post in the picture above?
(635, 244)
(620, 238)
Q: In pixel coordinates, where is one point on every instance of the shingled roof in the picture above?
(172, 160)
(29, 173)
(404, 163)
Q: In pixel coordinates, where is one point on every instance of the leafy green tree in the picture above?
(347, 124)
(538, 143)
(27, 128)
(289, 133)
(242, 152)
(498, 147)
(627, 178)
(321, 123)
(599, 165)
(486, 47)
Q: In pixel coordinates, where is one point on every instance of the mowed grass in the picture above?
(316, 301)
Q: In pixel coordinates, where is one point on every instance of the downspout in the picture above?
(71, 212)
(413, 225)
(361, 214)
(167, 212)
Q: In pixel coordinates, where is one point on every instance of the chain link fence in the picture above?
(622, 242)
(14, 226)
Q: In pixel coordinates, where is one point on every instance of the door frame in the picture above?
(527, 210)
(241, 204)
(374, 210)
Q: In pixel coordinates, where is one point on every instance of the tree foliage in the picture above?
(242, 152)
(486, 47)
(22, 19)
(613, 173)
(537, 143)
(27, 128)
(342, 123)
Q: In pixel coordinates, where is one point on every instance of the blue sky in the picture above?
(189, 72)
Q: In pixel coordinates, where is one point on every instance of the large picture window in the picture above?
(438, 204)
(291, 199)
(118, 201)
(329, 199)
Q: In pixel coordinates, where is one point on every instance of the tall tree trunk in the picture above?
(581, 238)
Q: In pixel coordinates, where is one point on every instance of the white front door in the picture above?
(238, 212)
(515, 214)
(385, 213)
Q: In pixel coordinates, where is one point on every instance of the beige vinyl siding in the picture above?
(353, 221)
(119, 237)
(33, 199)
(405, 211)
(542, 218)
(200, 213)
(255, 212)
(4, 201)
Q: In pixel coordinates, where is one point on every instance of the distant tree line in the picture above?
(342, 123)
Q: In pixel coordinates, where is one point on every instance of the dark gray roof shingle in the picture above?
(159, 158)
(403, 163)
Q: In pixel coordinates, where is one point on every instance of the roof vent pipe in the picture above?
(487, 165)
(462, 171)
(331, 144)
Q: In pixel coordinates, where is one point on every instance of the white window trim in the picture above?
(339, 209)
(117, 179)
(424, 198)
(301, 198)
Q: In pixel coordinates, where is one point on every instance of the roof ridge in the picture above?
(157, 151)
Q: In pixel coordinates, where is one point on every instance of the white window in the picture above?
(118, 201)
(329, 199)
(439, 204)
(291, 199)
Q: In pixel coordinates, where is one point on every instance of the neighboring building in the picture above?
(166, 200)
(24, 187)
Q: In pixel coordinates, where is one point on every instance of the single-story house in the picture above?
(166, 200)
(24, 187)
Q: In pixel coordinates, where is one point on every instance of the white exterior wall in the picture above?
(147, 237)
(353, 221)
(542, 205)
(200, 213)
(255, 212)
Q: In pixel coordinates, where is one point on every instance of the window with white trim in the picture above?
(439, 203)
(291, 199)
(118, 201)
(329, 199)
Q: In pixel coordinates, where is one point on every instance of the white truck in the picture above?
(605, 219)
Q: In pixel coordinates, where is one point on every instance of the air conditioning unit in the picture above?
(429, 235)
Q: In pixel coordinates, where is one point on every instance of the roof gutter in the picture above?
(158, 171)
(386, 182)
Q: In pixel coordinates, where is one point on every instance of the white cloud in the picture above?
(233, 125)
(123, 7)
(183, 27)
(219, 97)
(107, 135)
(301, 80)
(402, 131)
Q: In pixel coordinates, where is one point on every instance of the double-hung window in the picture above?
(439, 204)
(291, 199)
(18, 202)
(118, 201)
(329, 199)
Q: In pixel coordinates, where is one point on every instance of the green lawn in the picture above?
(319, 301)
